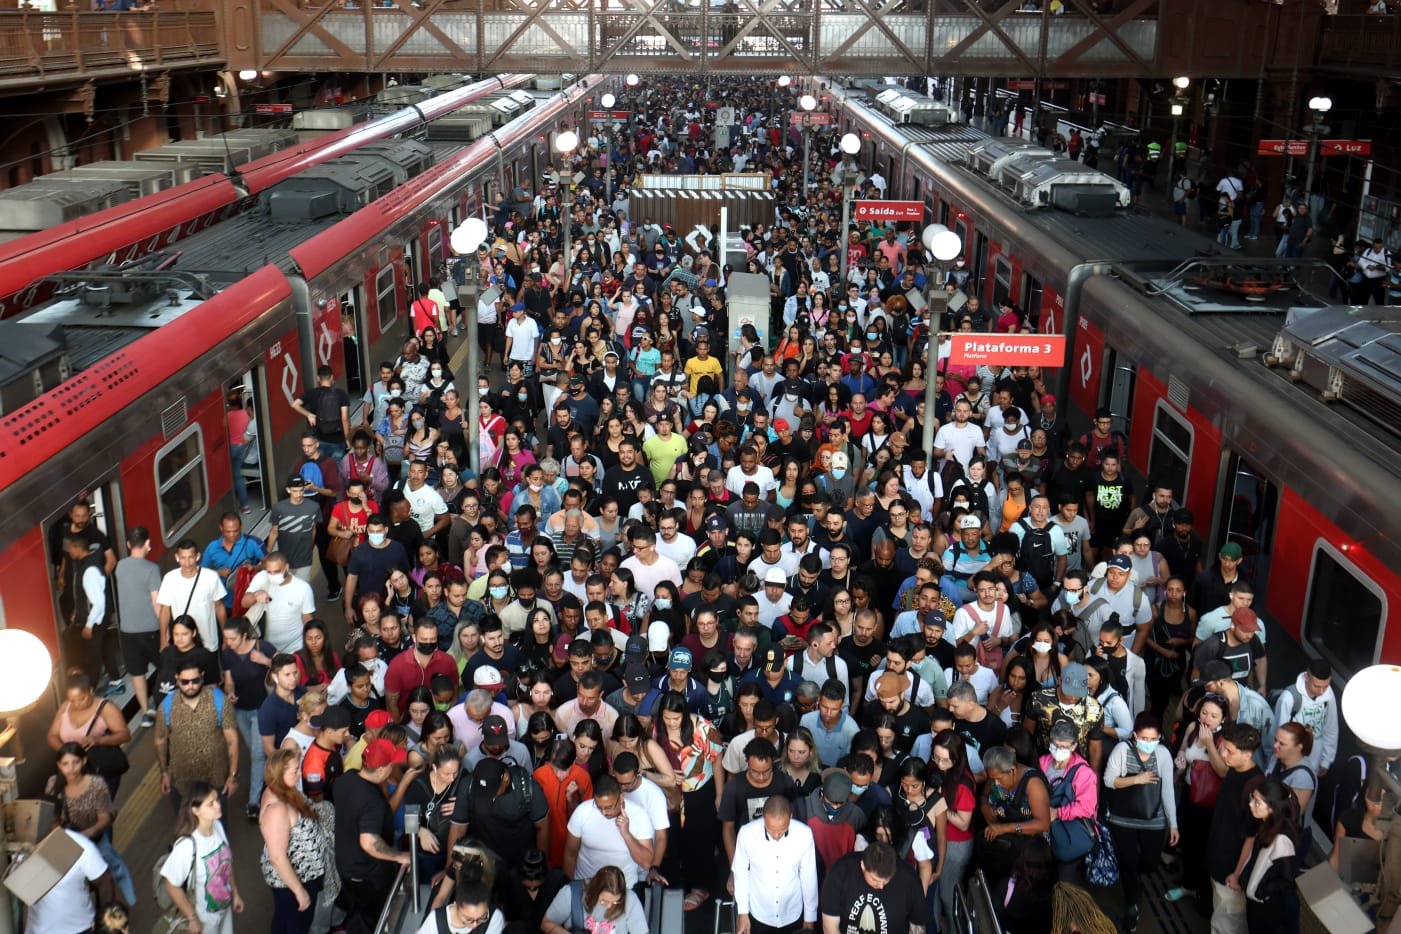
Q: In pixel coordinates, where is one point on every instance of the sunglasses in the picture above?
(186, 682)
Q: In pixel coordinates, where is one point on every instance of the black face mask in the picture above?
(426, 648)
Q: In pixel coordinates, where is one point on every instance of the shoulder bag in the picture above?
(106, 761)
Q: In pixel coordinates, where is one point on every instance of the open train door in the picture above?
(97, 508)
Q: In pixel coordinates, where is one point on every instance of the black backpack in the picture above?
(1036, 555)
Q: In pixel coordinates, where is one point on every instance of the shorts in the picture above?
(140, 652)
(1179, 208)
(491, 336)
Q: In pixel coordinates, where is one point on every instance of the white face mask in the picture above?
(1041, 648)
(1060, 753)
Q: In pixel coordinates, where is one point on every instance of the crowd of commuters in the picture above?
(711, 617)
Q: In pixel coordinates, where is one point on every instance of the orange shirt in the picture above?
(561, 808)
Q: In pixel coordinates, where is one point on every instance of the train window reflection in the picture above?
(1343, 611)
(181, 486)
(385, 300)
(1171, 452)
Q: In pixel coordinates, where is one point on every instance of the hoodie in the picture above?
(1320, 714)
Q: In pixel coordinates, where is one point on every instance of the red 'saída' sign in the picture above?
(888, 210)
(1008, 350)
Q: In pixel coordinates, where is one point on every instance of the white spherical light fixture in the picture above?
(946, 246)
(608, 100)
(632, 80)
(25, 669)
(850, 144)
(807, 102)
(929, 233)
(567, 141)
(468, 236)
(1368, 706)
(247, 74)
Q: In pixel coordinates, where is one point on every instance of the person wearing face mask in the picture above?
(1074, 798)
(413, 669)
(1068, 702)
(832, 816)
(1142, 811)
(371, 563)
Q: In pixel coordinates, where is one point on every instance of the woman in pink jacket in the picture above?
(1074, 799)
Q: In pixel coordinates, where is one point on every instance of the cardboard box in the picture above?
(31, 880)
(1326, 907)
(32, 819)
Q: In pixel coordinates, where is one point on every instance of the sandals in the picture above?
(695, 898)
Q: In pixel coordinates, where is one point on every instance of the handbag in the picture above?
(1204, 786)
(1070, 840)
(107, 761)
(338, 552)
(1102, 865)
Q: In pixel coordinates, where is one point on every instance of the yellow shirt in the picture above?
(710, 366)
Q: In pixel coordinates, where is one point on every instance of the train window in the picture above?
(1002, 282)
(1031, 300)
(385, 298)
(1170, 454)
(1117, 391)
(181, 487)
(1247, 506)
(435, 249)
(1343, 611)
(944, 213)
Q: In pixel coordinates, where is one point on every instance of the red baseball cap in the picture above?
(382, 752)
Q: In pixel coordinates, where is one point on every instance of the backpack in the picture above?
(578, 918)
(831, 665)
(218, 706)
(1098, 586)
(1037, 555)
(1339, 790)
(158, 889)
(328, 410)
(522, 782)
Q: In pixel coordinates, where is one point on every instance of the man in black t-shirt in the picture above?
(873, 890)
(1231, 822)
(364, 857)
(326, 407)
(862, 651)
(622, 481)
(744, 795)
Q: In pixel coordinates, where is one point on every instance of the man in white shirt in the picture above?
(775, 871)
(672, 545)
(608, 831)
(429, 510)
(286, 602)
(68, 906)
(522, 334)
(649, 568)
(648, 796)
(772, 598)
(193, 591)
(749, 469)
(960, 439)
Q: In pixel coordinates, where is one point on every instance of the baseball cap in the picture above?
(635, 678)
(840, 460)
(836, 786)
(562, 647)
(792, 387)
(658, 636)
(1230, 550)
(636, 649)
(296, 480)
(774, 658)
(1074, 680)
(716, 523)
(969, 521)
(775, 576)
(1215, 670)
(576, 380)
(679, 658)
(378, 720)
(332, 718)
(781, 424)
(1023, 445)
(487, 774)
(1245, 620)
(1182, 517)
(518, 306)
(487, 677)
(382, 752)
(1048, 398)
(936, 617)
(1119, 563)
(494, 730)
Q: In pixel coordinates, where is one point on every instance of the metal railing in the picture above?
(1355, 42)
(973, 912)
(37, 46)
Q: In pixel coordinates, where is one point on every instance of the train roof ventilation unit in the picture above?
(1347, 355)
(989, 157)
(903, 106)
(1063, 183)
(341, 186)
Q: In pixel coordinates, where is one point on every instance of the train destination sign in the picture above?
(1008, 350)
(888, 210)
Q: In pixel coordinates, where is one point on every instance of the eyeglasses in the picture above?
(187, 682)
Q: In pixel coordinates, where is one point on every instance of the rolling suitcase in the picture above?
(665, 908)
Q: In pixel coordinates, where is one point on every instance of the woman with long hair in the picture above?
(186, 649)
(1201, 767)
(1074, 911)
(589, 747)
(1168, 644)
(85, 805)
(693, 748)
(537, 640)
(949, 760)
(1270, 869)
(293, 861)
(198, 873)
(629, 735)
(317, 662)
(437, 734)
(85, 719)
(1008, 699)
(798, 760)
(635, 606)
(416, 710)
(608, 903)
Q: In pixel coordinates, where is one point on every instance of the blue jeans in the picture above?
(1257, 211)
(333, 449)
(956, 859)
(1235, 233)
(121, 875)
(248, 728)
(236, 452)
